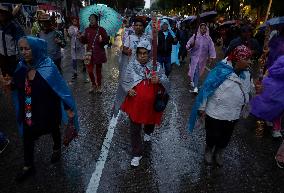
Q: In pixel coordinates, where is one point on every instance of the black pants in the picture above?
(29, 143)
(136, 139)
(57, 62)
(8, 65)
(218, 132)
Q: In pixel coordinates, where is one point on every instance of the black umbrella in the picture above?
(228, 23)
(189, 19)
(208, 15)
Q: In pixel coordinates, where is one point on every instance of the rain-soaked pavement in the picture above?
(173, 160)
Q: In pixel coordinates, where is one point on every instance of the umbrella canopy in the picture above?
(166, 17)
(109, 19)
(189, 19)
(272, 22)
(276, 21)
(228, 23)
(208, 15)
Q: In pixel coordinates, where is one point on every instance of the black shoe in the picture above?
(208, 155)
(56, 156)
(75, 75)
(25, 173)
(3, 145)
(218, 154)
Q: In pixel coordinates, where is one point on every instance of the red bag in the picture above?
(70, 132)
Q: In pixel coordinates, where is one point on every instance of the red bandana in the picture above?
(240, 53)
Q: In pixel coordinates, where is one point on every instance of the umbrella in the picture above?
(166, 17)
(228, 23)
(110, 20)
(189, 19)
(208, 15)
(272, 22)
(276, 21)
(262, 26)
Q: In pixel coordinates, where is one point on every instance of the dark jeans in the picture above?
(136, 139)
(166, 63)
(75, 64)
(218, 132)
(8, 65)
(29, 143)
(182, 52)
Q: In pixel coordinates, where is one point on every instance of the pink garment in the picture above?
(277, 124)
(203, 50)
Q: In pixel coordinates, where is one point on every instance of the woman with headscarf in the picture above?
(202, 52)
(141, 85)
(166, 39)
(42, 100)
(221, 100)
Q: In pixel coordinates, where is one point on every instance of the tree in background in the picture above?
(230, 7)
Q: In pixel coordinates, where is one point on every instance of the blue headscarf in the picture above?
(148, 29)
(214, 79)
(47, 69)
(166, 22)
(39, 50)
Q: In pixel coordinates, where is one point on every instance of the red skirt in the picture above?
(140, 108)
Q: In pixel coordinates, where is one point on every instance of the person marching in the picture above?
(55, 39)
(11, 32)
(268, 104)
(77, 48)
(132, 40)
(220, 101)
(128, 55)
(96, 38)
(166, 39)
(141, 85)
(41, 98)
(202, 52)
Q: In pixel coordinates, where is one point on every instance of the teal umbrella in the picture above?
(109, 19)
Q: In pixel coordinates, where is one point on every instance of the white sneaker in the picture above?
(92, 89)
(276, 134)
(147, 137)
(135, 161)
(195, 90)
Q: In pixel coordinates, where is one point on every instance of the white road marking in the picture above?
(173, 115)
(96, 176)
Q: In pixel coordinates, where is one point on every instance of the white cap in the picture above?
(145, 44)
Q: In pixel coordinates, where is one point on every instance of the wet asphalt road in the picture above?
(173, 160)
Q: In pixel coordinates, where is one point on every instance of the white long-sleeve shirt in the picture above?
(228, 99)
